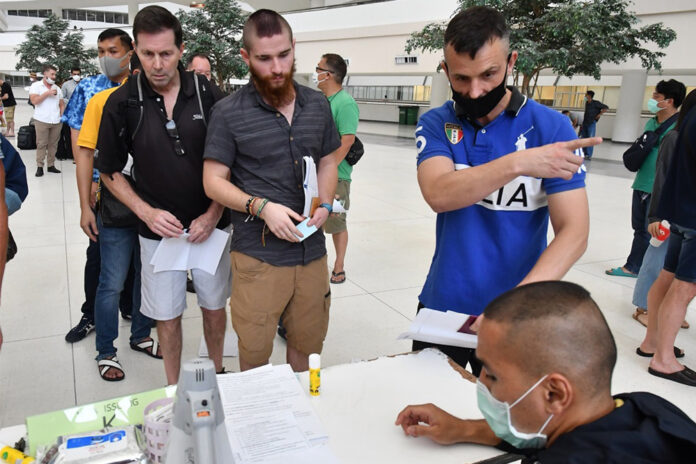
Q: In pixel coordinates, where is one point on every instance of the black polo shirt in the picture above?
(264, 154)
(163, 179)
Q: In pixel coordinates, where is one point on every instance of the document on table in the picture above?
(269, 419)
(440, 327)
(178, 254)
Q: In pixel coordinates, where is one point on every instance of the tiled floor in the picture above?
(392, 234)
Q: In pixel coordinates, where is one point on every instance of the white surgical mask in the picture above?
(497, 414)
(315, 77)
(50, 81)
(111, 67)
(76, 78)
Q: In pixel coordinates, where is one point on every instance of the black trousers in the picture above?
(64, 150)
(461, 356)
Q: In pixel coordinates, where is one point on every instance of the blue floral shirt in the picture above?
(77, 105)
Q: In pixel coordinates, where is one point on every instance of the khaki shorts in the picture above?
(9, 113)
(336, 223)
(261, 293)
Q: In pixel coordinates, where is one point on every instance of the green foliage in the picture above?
(568, 36)
(52, 43)
(215, 30)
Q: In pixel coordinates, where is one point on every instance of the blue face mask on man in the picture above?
(497, 415)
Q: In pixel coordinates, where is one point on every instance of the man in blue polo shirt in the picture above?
(495, 166)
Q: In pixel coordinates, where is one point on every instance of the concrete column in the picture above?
(439, 89)
(627, 125)
(133, 8)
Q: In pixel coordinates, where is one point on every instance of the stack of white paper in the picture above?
(440, 327)
(269, 419)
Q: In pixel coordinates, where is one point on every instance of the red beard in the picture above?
(274, 95)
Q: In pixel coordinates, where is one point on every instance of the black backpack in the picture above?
(635, 156)
(26, 138)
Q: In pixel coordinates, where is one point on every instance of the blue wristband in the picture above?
(328, 207)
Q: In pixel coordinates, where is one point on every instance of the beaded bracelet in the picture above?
(248, 204)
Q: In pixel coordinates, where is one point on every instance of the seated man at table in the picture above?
(544, 390)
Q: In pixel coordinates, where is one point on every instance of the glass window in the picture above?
(81, 15)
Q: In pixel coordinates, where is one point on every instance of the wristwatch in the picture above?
(328, 207)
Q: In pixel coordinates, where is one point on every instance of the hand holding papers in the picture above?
(178, 254)
(443, 328)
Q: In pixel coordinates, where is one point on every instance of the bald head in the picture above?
(556, 327)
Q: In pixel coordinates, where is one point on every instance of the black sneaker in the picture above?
(53, 169)
(39, 172)
(80, 331)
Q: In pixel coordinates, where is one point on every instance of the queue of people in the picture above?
(491, 162)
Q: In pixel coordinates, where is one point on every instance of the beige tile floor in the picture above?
(392, 235)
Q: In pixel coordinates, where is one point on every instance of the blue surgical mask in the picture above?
(497, 414)
(652, 106)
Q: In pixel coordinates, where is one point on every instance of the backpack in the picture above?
(637, 153)
(135, 100)
(26, 138)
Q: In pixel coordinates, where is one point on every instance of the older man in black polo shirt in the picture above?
(160, 117)
(257, 138)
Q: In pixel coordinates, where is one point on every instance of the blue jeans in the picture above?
(641, 237)
(653, 260)
(12, 201)
(118, 246)
(588, 130)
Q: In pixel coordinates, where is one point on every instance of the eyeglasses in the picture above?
(318, 69)
(174, 134)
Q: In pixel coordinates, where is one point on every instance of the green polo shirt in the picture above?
(646, 174)
(345, 114)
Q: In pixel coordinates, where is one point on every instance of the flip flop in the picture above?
(618, 271)
(678, 352)
(335, 275)
(685, 376)
(148, 346)
(106, 364)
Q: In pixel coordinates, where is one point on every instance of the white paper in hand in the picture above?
(310, 184)
(178, 254)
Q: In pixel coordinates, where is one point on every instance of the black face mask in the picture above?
(475, 108)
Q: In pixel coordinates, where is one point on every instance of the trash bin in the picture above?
(412, 115)
(403, 115)
(408, 115)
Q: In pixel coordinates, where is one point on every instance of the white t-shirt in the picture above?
(47, 111)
